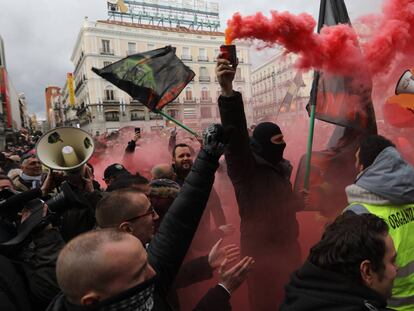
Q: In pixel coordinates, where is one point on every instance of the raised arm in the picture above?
(240, 159)
(168, 248)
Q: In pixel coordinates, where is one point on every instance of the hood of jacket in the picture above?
(312, 288)
(389, 177)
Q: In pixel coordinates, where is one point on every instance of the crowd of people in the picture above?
(132, 240)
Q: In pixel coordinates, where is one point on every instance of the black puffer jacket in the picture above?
(169, 246)
(312, 288)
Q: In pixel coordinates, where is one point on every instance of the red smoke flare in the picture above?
(335, 49)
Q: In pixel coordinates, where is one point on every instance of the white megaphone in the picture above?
(65, 148)
(406, 83)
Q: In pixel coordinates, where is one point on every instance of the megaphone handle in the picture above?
(54, 180)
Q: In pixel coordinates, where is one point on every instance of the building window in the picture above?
(238, 75)
(206, 112)
(202, 55)
(204, 75)
(112, 116)
(137, 115)
(109, 94)
(106, 48)
(188, 94)
(205, 94)
(216, 53)
(186, 54)
(132, 48)
(175, 113)
(106, 63)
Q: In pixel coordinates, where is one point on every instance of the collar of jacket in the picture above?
(313, 288)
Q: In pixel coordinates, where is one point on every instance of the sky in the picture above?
(39, 35)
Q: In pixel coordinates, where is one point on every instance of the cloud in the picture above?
(39, 36)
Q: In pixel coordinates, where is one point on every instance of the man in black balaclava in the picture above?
(267, 204)
(268, 138)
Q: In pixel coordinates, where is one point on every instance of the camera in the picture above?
(64, 200)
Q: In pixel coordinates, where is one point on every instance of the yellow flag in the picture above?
(71, 89)
(122, 6)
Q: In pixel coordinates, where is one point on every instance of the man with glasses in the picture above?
(110, 270)
(128, 210)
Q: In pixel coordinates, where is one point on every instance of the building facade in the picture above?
(54, 107)
(24, 113)
(101, 107)
(271, 82)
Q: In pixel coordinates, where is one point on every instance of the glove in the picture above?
(215, 140)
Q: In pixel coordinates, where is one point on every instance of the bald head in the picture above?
(99, 264)
(162, 171)
(119, 206)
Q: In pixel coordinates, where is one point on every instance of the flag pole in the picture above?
(312, 107)
(177, 122)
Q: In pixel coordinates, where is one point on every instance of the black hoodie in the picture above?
(312, 288)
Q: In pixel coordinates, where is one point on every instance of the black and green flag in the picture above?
(155, 78)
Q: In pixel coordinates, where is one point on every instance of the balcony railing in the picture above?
(204, 79)
(186, 57)
(203, 58)
(106, 51)
(155, 116)
(112, 118)
(111, 101)
(189, 101)
(206, 100)
(137, 118)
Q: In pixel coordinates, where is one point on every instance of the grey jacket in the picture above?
(388, 181)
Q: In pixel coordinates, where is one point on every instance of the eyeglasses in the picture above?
(151, 211)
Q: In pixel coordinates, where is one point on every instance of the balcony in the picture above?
(189, 101)
(106, 51)
(203, 59)
(112, 118)
(137, 117)
(111, 101)
(155, 116)
(80, 84)
(206, 100)
(186, 57)
(204, 79)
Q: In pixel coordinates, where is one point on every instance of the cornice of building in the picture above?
(162, 28)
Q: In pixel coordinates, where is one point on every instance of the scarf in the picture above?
(35, 180)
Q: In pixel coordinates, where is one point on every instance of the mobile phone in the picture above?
(138, 130)
(229, 52)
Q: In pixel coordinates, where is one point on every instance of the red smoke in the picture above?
(393, 38)
(336, 48)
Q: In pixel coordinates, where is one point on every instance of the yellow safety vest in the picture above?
(400, 220)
